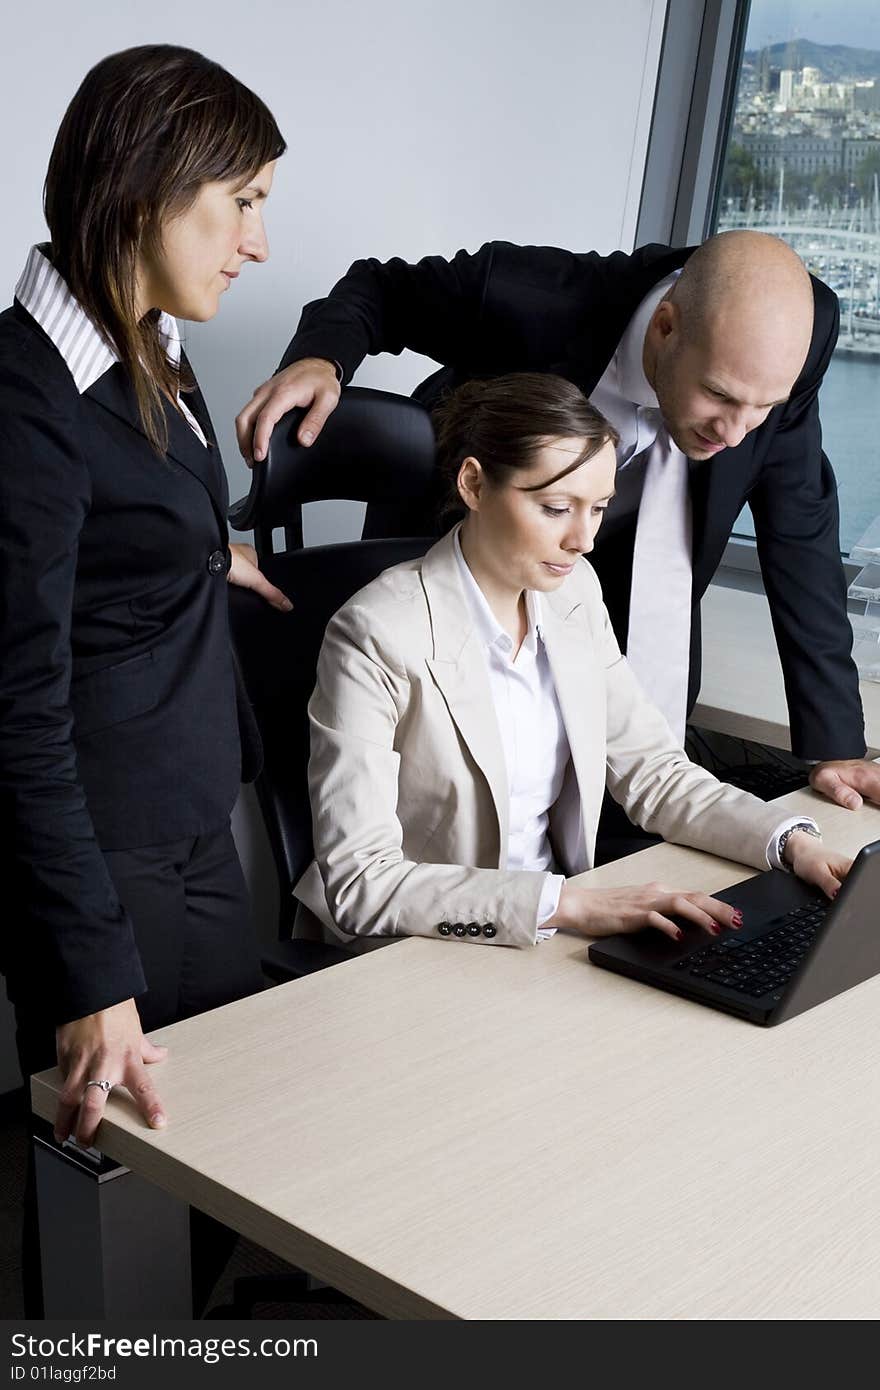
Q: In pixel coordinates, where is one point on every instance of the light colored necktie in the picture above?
(658, 641)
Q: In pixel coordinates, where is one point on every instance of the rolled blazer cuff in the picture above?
(494, 907)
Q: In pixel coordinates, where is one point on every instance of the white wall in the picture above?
(413, 126)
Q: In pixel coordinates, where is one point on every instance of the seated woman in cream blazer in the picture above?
(472, 706)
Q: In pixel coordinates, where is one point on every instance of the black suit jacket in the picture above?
(118, 709)
(526, 308)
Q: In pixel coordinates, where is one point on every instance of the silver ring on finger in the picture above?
(105, 1085)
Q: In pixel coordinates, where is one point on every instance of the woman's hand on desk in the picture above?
(605, 912)
(109, 1045)
(815, 863)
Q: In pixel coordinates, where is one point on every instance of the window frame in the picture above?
(700, 56)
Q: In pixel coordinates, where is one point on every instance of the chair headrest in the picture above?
(375, 447)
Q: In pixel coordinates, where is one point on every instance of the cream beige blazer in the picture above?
(407, 775)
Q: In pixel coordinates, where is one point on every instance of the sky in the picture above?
(852, 22)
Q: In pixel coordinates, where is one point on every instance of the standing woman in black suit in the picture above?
(120, 748)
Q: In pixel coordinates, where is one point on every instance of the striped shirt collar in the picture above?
(48, 300)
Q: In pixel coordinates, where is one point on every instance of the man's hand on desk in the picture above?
(848, 781)
(106, 1046)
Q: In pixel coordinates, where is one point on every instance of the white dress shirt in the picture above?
(88, 355)
(658, 640)
(533, 736)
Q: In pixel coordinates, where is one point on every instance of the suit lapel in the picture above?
(113, 392)
(195, 402)
(458, 668)
(581, 696)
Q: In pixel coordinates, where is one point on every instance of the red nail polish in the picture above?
(679, 935)
(715, 929)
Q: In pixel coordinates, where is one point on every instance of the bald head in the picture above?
(730, 340)
(747, 284)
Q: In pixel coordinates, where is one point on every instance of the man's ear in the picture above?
(661, 335)
(470, 483)
(666, 320)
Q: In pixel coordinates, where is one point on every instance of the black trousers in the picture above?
(189, 906)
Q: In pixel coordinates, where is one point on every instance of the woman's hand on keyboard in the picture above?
(815, 863)
(604, 912)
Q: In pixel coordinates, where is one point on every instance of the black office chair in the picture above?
(375, 447)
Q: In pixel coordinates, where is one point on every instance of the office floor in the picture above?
(247, 1260)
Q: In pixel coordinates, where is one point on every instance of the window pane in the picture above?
(803, 162)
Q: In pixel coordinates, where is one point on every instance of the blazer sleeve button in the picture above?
(218, 562)
(489, 930)
(474, 929)
(444, 928)
(460, 929)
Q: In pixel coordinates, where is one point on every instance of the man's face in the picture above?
(714, 390)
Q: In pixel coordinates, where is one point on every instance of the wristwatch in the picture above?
(806, 826)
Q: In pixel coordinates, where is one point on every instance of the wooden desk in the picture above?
(742, 692)
(446, 1130)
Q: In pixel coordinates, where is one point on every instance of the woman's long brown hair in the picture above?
(146, 129)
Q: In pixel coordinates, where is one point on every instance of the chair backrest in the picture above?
(367, 458)
(375, 447)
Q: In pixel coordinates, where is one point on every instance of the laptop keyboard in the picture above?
(762, 965)
(768, 781)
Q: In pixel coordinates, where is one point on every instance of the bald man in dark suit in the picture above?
(709, 362)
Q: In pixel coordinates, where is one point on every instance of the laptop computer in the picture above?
(795, 949)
